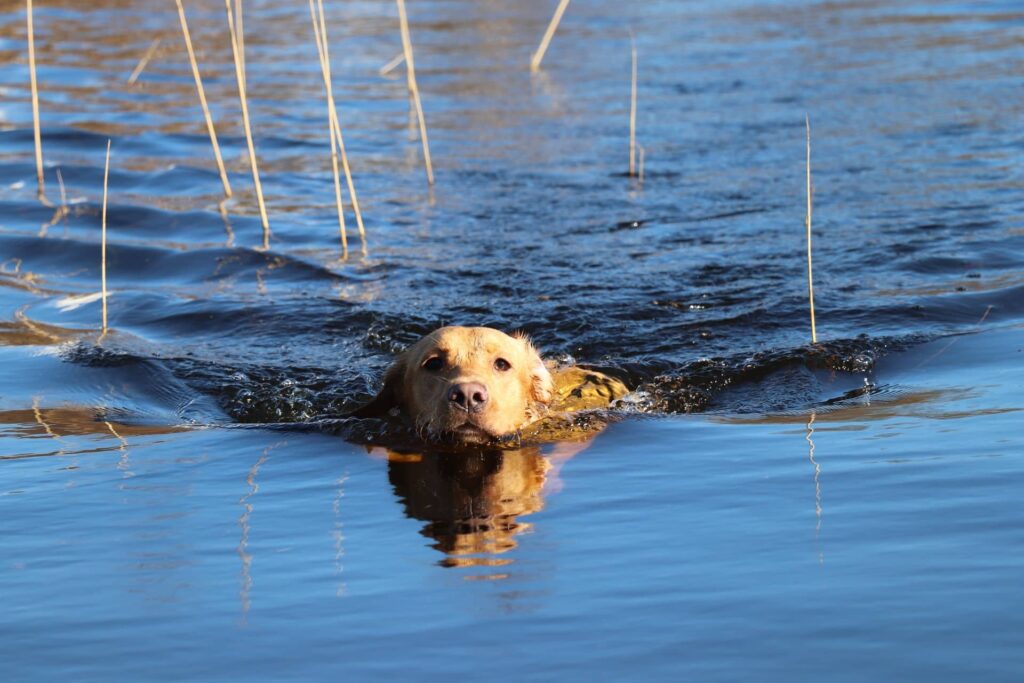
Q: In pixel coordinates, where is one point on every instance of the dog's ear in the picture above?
(390, 395)
(542, 387)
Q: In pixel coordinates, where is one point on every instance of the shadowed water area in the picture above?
(183, 498)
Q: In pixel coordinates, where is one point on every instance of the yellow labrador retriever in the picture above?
(477, 385)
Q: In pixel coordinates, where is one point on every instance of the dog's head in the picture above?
(469, 384)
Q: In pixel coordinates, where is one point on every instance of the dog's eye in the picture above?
(433, 364)
(502, 365)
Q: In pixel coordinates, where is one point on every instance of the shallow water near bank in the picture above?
(178, 500)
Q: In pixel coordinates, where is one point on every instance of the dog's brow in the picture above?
(455, 355)
(432, 353)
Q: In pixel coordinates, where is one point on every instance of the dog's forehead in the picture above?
(466, 343)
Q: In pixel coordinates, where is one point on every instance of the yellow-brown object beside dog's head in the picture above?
(581, 389)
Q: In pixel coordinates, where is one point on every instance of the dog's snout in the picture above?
(469, 396)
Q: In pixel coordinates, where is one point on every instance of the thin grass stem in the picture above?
(810, 208)
(103, 241)
(140, 67)
(392, 65)
(538, 56)
(632, 109)
(330, 125)
(336, 124)
(35, 103)
(410, 72)
(202, 100)
(240, 78)
(240, 37)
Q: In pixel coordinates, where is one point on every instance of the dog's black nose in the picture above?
(470, 396)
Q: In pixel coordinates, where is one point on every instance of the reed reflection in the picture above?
(124, 463)
(338, 535)
(817, 483)
(242, 549)
(473, 503)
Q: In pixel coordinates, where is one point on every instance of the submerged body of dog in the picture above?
(478, 385)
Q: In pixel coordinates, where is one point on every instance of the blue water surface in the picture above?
(761, 508)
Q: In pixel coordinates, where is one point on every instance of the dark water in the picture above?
(761, 508)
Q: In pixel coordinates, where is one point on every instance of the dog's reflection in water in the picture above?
(473, 503)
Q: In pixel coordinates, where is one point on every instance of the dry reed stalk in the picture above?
(392, 65)
(337, 130)
(103, 241)
(240, 36)
(144, 61)
(410, 73)
(810, 268)
(202, 100)
(640, 170)
(632, 109)
(538, 56)
(245, 123)
(61, 212)
(223, 210)
(330, 124)
(320, 29)
(35, 103)
(64, 210)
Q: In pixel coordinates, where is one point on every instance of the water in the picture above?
(179, 503)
